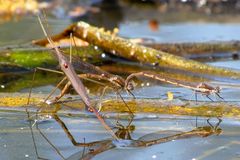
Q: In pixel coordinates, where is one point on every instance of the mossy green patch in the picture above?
(31, 59)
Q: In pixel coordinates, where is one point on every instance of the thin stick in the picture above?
(70, 52)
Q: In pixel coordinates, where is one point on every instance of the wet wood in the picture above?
(184, 49)
(125, 48)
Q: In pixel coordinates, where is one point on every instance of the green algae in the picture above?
(146, 106)
(40, 57)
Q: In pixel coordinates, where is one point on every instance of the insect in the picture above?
(202, 88)
(70, 73)
(207, 90)
(91, 72)
(94, 72)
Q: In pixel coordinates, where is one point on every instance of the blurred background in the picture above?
(145, 16)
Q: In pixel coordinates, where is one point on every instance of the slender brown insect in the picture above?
(94, 72)
(70, 73)
(202, 88)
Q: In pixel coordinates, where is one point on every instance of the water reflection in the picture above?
(125, 141)
(16, 142)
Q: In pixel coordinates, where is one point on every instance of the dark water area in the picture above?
(163, 22)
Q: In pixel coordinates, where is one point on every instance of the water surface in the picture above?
(16, 139)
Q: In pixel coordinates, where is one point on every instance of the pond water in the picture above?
(167, 32)
(16, 139)
(182, 32)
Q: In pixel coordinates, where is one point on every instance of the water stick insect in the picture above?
(202, 88)
(70, 73)
(92, 72)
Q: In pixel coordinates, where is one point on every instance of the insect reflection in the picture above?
(125, 140)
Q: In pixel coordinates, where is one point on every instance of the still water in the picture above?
(16, 140)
